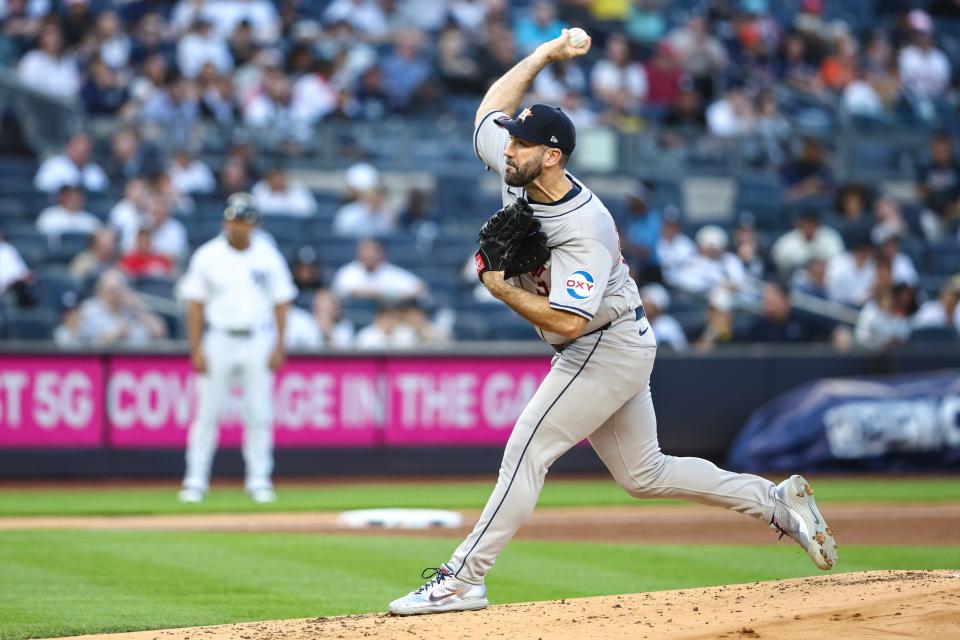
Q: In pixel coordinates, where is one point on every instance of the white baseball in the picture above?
(578, 38)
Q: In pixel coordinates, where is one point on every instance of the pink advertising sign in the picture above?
(455, 401)
(51, 401)
(317, 403)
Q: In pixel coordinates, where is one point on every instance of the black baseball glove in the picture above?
(511, 241)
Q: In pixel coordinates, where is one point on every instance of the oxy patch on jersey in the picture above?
(580, 285)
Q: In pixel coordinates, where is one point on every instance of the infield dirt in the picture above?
(876, 604)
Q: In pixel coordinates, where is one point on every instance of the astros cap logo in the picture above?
(524, 114)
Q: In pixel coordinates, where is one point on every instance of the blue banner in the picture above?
(884, 423)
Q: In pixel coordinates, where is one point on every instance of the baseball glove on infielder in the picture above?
(511, 241)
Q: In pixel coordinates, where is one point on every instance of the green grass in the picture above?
(451, 495)
(55, 583)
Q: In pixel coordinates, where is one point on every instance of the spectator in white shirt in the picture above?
(67, 216)
(713, 267)
(226, 16)
(852, 273)
(12, 267)
(371, 276)
(388, 331)
(271, 109)
(277, 194)
(321, 327)
(656, 302)
(128, 215)
(674, 249)
(47, 69)
(115, 315)
(942, 312)
(731, 116)
(169, 235)
(365, 16)
(72, 167)
(370, 215)
(200, 46)
(809, 239)
(887, 240)
(884, 321)
(314, 96)
(189, 174)
(924, 69)
(618, 82)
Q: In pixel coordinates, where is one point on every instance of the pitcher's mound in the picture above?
(876, 604)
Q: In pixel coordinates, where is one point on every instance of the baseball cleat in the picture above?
(796, 515)
(190, 496)
(263, 496)
(442, 592)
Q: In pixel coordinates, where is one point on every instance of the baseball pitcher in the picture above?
(552, 255)
(238, 286)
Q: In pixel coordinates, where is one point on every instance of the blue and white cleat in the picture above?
(796, 515)
(442, 592)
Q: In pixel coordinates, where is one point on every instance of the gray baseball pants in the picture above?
(599, 388)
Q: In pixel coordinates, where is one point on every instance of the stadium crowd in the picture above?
(266, 74)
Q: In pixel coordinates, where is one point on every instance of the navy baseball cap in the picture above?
(544, 125)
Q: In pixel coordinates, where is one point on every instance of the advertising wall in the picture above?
(148, 401)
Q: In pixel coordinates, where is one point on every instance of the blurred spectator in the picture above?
(884, 321)
(772, 130)
(109, 40)
(938, 186)
(924, 69)
(780, 322)
(271, 112)
(674, 249)
(719, 317)
(234, 176)
(190, 174)
(20, 22)
(408, 68)
(314, 95)
(371, 276)
(13, 270)
(200, 46)
(853, 205)
(861, 98)
(77, 21)
(942, 312)
(732, 116)
(663, 77)
(125, 161)
(96, 258)
(67, 216)
(151, 36)
(103, 94)
(276, 194)
(646, 21)
(795, 65)
(700, 53)
(809, 175)
(370, 215)
(49, 69)
(128, 215)
(555, 82)
(388, 331)
(656, 303)
(887, 213)
(168, 235)
(618, 82)
(172, 113)
(72, 167)
(686, 113)
(366, 16)
(809, 239)
(746, 246)
(642, 229)
(335, 330)
(429, 331)
(306, 270)
(457, 67)
(116, 316)
(712, 267)
(143, 260)
(840, 68)
(417, 219)
(812, 279)
(67, 333)
(851, 274)
(887, 240)
(537, 26)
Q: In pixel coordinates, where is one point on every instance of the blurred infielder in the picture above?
(238, 287)
(582, 300)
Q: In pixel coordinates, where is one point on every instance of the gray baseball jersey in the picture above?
(586, 274)
(598, 387)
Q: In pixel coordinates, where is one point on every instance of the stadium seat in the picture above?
(944, 259)
(763, 197)
(156, 285)
(936, 335)
(52, 283)
(32, 246)
(286, 229)
(30, 324)
(68, 247)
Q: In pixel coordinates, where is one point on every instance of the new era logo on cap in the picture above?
(543, 124)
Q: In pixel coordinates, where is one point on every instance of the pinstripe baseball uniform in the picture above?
(598, 386)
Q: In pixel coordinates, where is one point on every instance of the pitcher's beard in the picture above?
(522, 176)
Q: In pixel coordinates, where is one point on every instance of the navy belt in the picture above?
(638, 314)
(239, 333)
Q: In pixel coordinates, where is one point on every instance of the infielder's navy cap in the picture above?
(241, 206)
(543, 124)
